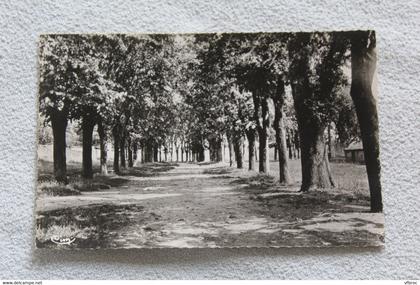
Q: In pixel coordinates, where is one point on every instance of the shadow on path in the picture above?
(95, 226)
(183, 205)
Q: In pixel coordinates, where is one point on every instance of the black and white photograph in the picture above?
(208, 140)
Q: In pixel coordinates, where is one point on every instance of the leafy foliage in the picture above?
(192, 89)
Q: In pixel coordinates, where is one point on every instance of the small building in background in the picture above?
(354, 153)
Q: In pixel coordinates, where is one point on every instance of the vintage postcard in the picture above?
(208, 140)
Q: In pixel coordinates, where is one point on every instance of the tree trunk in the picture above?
(278, 100)
(135, 150)
(103, 147)
(129, 152)
(275, 153)
(231, 151)
(148, 151)
(155, 153)
(314, 158)
(88, 124)
(282, 150)
(263, 150)
(262, 127)
(211, 150)
(256, 152)
(363, 65)
(289, 145)
(250, 135)
(237, 146)
(329, 141)
(115, 134)
(224, 152)
(59, 126)
(122, 151)
(201, 156)
(315, 166)
(219, 151)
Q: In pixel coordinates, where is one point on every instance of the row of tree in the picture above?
(153, 92)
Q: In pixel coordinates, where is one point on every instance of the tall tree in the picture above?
(91, 89)
(316, 76)
(280, 129)
(88, 123)
(259, 61)
(54, 101)
(262, 118)
(71, 83)
(116, 136)
(59, 126)
(102, 132)
(363, 61)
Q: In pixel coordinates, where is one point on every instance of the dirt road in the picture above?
(190, 205)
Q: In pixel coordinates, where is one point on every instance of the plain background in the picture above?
(398, 35)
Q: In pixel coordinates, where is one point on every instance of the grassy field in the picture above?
(348, 177)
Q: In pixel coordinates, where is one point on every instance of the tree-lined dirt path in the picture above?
(191, 205)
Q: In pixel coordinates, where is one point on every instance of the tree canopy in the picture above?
(195, 92)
